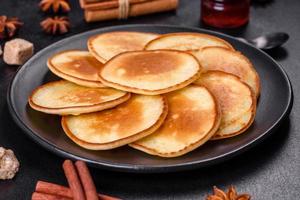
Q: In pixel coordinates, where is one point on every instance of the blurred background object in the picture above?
(97, 10)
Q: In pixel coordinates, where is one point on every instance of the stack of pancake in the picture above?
(165, 95)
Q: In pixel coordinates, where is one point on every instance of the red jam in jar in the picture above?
(225, 13)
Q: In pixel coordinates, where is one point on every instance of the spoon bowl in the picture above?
(268, 41)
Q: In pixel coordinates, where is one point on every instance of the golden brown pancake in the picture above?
(234, 62)
(77, 66)
(237, 101)
(150, 72)
(63, 98)
(193, 118)
(186, 41)
(138, 117)
(107, 45)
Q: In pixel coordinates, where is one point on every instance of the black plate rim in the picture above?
(141, 168)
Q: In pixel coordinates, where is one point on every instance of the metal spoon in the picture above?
(269, 41)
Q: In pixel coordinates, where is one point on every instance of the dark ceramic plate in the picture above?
(274, 104)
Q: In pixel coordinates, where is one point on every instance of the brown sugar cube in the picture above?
(17, 51)
(9, 164)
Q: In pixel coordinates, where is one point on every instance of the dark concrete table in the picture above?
(269, 171)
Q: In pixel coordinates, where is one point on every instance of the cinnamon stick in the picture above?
(55, 189)
(105, 4)
(73, 180)
(43, 196)
(51, 188)
(143, 8)
(87, 181)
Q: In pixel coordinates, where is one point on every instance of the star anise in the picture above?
(55, 5)
(230, 195)
(56, 25)
(9, 26)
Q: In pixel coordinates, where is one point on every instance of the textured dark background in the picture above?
(270, 171)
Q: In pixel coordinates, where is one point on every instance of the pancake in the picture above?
(107, 45)
(150, 72)
(234, 62)
(63, 98)
(237, 101)
(193, 118)
(186, 41)
(138, 117)
(76, 66)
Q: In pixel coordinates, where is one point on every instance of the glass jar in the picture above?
(225, 13)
